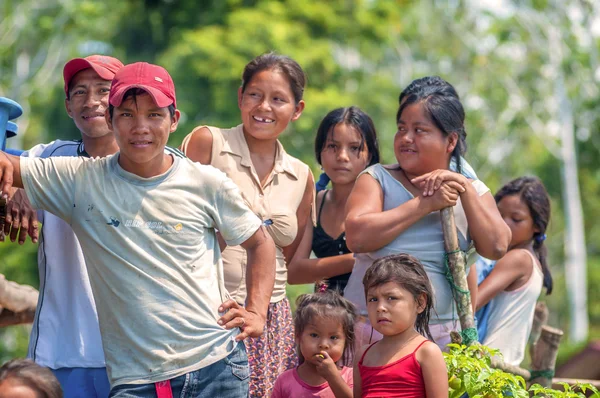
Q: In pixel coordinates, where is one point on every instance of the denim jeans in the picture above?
(83, 382)
(227, 378)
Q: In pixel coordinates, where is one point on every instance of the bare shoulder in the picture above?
(428, 351)
(515, 258)
(359, 354)
(320, 197)
(198, 145)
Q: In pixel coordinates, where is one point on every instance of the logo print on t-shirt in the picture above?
(114, 222)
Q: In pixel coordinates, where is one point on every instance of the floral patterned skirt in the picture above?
(274, 352)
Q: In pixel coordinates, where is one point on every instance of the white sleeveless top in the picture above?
(511, 316)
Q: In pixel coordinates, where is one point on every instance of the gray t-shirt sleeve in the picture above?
(50, 183)
(234, 220)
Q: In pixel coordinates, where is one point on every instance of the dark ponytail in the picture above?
(532, 192)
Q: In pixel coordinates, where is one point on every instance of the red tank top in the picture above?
(402, 378)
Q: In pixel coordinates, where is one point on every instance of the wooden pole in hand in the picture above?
(456, 263)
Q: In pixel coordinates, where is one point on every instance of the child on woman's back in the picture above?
(346, 143)
(515, 282)
(403, 363)
(324, 329)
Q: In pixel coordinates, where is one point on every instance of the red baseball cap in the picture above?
(153, 79)
(105, 67)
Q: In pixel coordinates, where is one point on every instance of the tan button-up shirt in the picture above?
(275, 203)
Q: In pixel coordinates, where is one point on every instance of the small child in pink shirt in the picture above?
(324, 329)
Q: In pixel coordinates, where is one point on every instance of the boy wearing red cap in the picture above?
(147, 222)
(65, 336)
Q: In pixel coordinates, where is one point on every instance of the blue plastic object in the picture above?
(16, 152)
(11, 129)
(9, 110)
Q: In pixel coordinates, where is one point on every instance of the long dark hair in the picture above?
(328, 304)
(443, 107)
(351, 116)
(408, 272)
(533, 193)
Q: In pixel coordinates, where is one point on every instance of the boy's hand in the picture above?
(252, 324)
(6, 175)
(325, 366)
(21, 219)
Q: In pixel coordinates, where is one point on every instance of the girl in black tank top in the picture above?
(324, 245)
(345, 145)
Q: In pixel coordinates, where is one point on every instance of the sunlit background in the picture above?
(527, 73)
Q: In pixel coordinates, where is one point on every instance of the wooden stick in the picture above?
(456, 263)
(540, 318)
(544, 356)
(17, 298)
(556, 380)
(9, 318)
(516, 370)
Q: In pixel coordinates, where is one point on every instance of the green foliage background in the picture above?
(355, 52)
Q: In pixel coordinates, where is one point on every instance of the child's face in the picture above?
(88, 103)
(11, 388)
(517, 216)
(322, 334)
(267, 105)
(142, 129)
(420, 147)
(342, 157)
(392, 309)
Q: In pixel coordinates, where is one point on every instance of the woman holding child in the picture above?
(276, 186)
(395, 208)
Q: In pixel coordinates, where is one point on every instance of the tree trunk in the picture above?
(575, 249)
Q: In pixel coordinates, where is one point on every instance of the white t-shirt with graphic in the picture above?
(152, 257)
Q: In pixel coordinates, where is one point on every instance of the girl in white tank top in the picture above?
(515, 283)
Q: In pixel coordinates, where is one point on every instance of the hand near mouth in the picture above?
(325, 366)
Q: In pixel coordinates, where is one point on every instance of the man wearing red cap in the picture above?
(65, 336)
(147, 223)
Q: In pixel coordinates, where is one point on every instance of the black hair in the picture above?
(532, 192)
(327, 304)
(281, 63)
(428, 81)
(132, 94)
(443, 107)
(25, 372)
(408, 272)
(351, 116)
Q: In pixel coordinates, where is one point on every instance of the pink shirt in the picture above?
(289, 384)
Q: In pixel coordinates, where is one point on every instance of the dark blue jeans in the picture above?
(225, 378)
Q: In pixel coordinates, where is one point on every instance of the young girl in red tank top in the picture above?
(403, 363)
